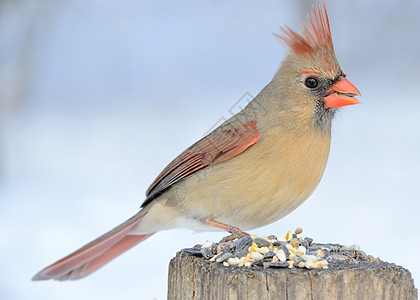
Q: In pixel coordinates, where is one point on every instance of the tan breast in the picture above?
(261, 185)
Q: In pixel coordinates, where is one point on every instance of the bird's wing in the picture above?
(216, 147)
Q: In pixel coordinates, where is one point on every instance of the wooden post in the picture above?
(356, 276)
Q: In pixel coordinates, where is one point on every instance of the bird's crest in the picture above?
(316, 34)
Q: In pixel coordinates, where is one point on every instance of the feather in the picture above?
(316, 34)
(216, 147)
(94, 255)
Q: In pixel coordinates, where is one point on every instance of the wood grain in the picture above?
(357, 276)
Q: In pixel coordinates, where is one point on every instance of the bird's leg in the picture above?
(233, 230)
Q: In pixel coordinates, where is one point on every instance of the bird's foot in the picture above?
(233, 230)
(227, 238)
(236, 233)
(231, 237)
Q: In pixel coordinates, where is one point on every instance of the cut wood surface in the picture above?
(350, 275)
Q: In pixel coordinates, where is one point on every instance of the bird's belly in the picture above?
(256, 190)
(258, 200)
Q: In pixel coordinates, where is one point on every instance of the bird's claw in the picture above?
(236, 233)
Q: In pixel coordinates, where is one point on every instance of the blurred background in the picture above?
(96, 97)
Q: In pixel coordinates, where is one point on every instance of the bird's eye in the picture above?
(311, 82)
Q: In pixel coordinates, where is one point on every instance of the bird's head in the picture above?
(311, 75)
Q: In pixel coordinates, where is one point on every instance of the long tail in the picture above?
(94, 255)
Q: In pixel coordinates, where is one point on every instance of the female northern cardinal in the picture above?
(253, 169)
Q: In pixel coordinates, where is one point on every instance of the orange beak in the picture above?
(342, 93)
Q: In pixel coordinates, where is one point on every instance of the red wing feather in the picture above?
(216, 147)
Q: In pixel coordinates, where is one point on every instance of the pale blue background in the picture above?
(96, 97)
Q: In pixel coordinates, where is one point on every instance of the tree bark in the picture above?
(356, 276)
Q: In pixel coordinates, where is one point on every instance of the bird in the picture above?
(255, 168)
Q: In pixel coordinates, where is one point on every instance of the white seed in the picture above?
(292, 256)
(281, 239)
(234, 261)
(275, 258)
(247, 259)
(281, 255)
(226, 264)
(213, 258)
(256, 256)
(352, 247)
(302, 249)
(248, 264)
(324, 264)
(320, 253)
(309, 264)
(264, 250)
(311, 258)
